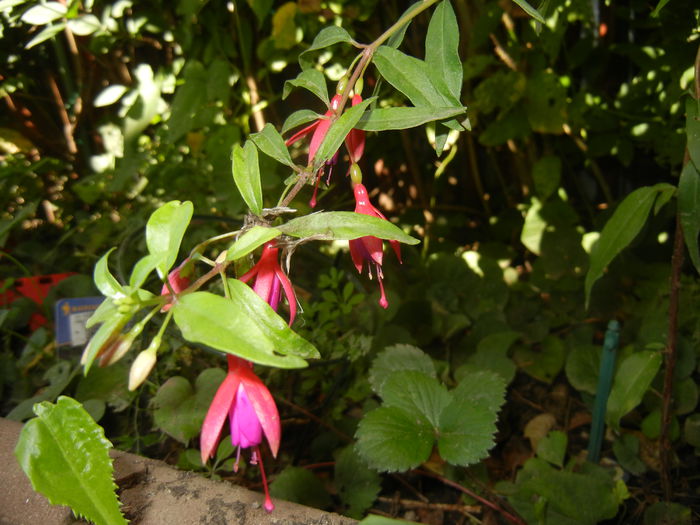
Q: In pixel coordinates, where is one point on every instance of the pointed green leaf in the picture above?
(226, 325)
(632, 379)
(338, 131)
(110, 328)
(104, 280)
(620, 230)
(42, 14)
(389, 439)
(164, 231)
(416, 393)
(311, 79)
(179, 409)
(66, 456)
(441, 49)
(250, 240)
(142, 269)
(403, 118)
(45, 34)
(534, 13)
(84, 25)
(106, 310)
(303, 116)
(399, 357)
(344, 225)
(272, 144)
(246, 175)
(689, 209)
(327, 37)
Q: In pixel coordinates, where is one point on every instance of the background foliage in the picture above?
(579, 124)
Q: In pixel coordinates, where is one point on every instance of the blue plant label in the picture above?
(71, 315)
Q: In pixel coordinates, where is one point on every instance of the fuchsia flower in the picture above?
(369, 248)
(179, 279)
(320, 128)
(269, 278)
(355, 141)
(251, 412)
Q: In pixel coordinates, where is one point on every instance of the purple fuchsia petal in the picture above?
(264, 407)
(246, 431)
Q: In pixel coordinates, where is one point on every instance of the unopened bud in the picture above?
(143, 364)
(342, 83)
(359, 84)
(355, 174)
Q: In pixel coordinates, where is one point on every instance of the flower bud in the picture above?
(143, 364)
(355, 174)
(342, 83)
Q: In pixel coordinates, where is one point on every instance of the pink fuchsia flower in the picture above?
(369, 248)
(252, 414)
(355, 141)
(179, 279)
(269, 279)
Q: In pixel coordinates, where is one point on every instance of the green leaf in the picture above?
(389, 439)
(299, 485)
(109, 95)
(338, 131)
(66, 456)
(482, 388)
(164, 231)
(246, 175)
(620, 230)
(546, 174)
(689, 209)
(632, 379)
(104, 280)
(272, 144)
(441, 49)
(545, 362)
(412, 77)
(226, 325)
(142, 269)
(327, 37)
(399, 357)
(45, 34)
(179, 409)
(109, 329)
(250, 240)
(190, 97)
(534, 13)
(311, 79)
(84, 25)
(492, 354)
(552, 447)
(344, 225)
(466, 432)
(692, 129)
(302, 116)
(42, 14)
(659, 7)
(415, 393)
(582, 366)
(666, 512)
(403, 118)
(357, 485)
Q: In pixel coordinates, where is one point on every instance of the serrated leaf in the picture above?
(466, 432)
(326, 37)
(42, 14)
(109, 95)
(66, 456)
(179, 409)
(389, 439)
(246, 174)
(689, 209)
(272, 144)
(344, 225)
(482, 388)
(534, 13)
(45, 34)
(338, 131)
(302, 116)
(403, 118)
(357, 485)
(311, 79)
(226, 325)
(632, 379)
(415, 393)
(620, 230)
(250, 240)
(441, 49)
(399, 357)
(164, 231)
(104, 280)
(299, 485)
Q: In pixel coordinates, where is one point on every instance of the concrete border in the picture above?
(151, 493)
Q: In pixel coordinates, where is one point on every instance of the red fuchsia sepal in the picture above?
(355, 141)
(179, 279)
(269, 278)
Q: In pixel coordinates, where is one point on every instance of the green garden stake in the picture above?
(605, 378)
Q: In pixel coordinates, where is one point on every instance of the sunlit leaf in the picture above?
(104, 280)
(405, 117)
(326, 37)
(272, 144)
(338, 131)
(66, 456)
(246, 174)
(632, 379)
(311, 79)
(302, 116)
(164, 232)
(441, 49)
(42, 14)
(344, 225)
(250, 240)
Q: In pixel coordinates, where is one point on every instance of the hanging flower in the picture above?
(269, 279)
(369, 248)
(355, 141)
(252, 414)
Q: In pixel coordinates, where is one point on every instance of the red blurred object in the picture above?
(35, 288)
